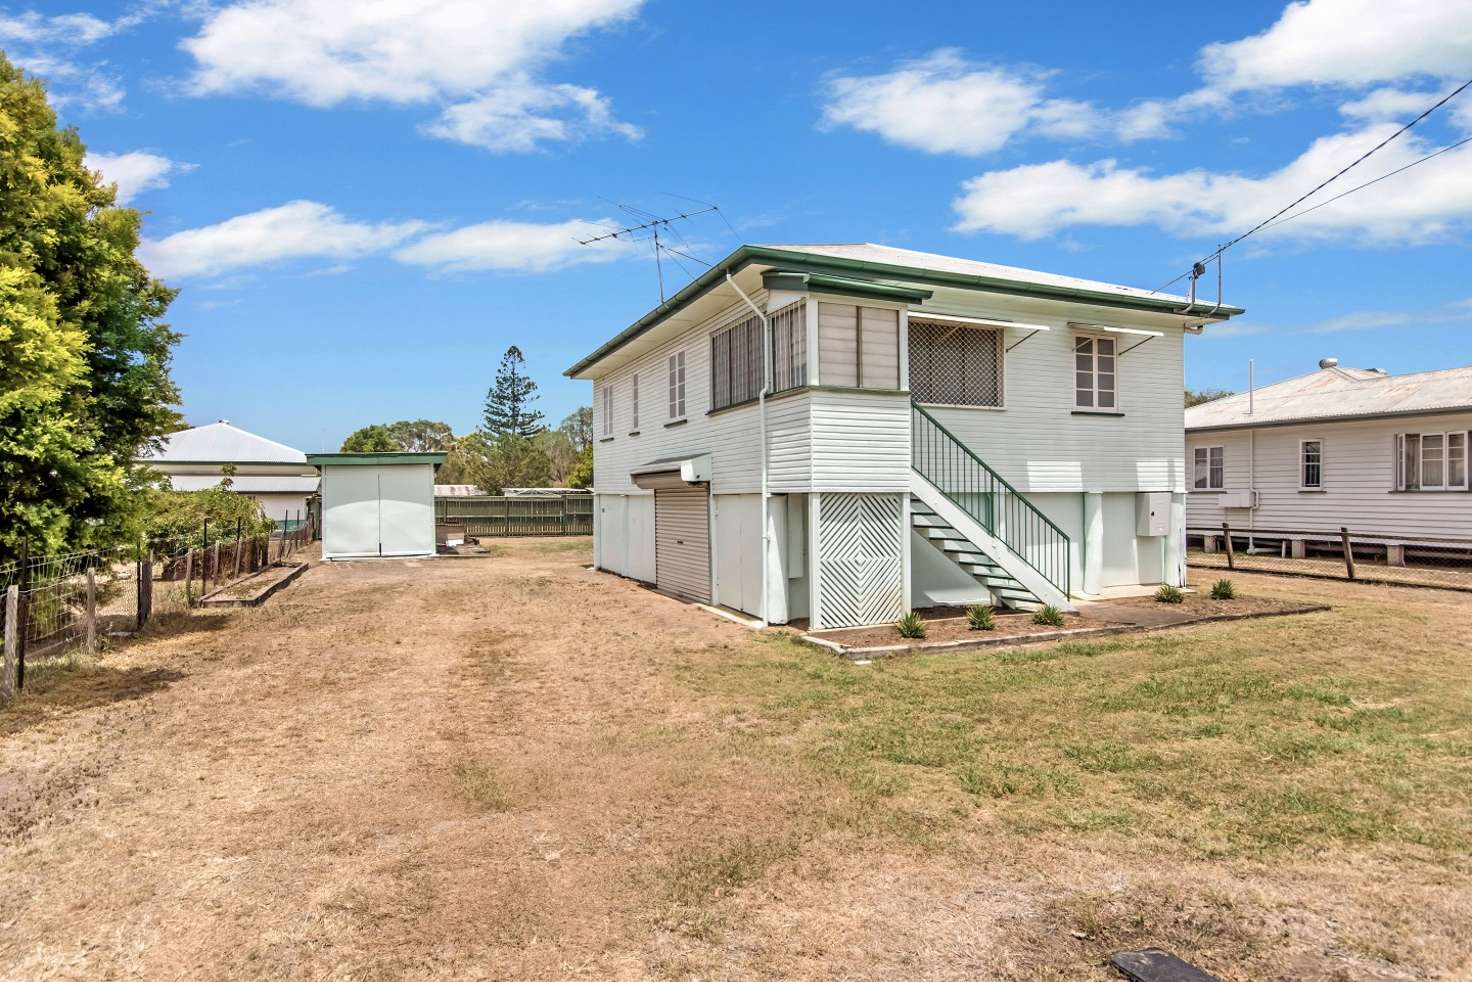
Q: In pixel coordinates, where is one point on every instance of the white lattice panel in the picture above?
(860, 559)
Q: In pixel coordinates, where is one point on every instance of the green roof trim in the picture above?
(781, 279)
(912, 277)
(373, 459)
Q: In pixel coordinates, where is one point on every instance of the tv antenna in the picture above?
(648, 231)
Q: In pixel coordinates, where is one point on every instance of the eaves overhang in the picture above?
(909, 277)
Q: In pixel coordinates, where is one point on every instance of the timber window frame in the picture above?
(607, 397)
(1432, 461)
(859, 346)
(1208, 468)
(676, 365)
(634, 399)
(1095, 373)
(736, 363)
(1311, 464)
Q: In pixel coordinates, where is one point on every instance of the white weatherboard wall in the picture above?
(372, 511)
(1359, 480)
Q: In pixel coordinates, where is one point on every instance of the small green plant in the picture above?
(1168, 594)
(980, 617)
(1048, 616)
(1223, 590)
(912, 625)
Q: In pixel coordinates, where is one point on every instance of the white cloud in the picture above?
(1385, 104)
(1351, 43)
(483, 56)
(521, 247)
(520, 114)
(135, 172)
(35, 28)
(48, 47)
(296, 230)
(1036, 200)
(944, 103)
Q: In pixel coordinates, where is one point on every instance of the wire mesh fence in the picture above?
(1345, 554)
(54, 604)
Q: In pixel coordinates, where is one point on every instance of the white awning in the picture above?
(925, 315)
(1109, 329)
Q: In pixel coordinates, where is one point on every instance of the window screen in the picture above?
(736, 363)
(955, 366)
(789, 347)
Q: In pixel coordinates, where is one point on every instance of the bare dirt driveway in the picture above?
(516, 767)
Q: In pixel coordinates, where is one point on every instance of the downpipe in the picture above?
(761, 403)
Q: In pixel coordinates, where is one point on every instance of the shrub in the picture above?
(1223, 590)
(1168, 594)
(979, 617)
(1050, 616)
(912, 625)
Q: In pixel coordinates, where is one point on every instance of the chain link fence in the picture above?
(1345, 554)
(56, 604)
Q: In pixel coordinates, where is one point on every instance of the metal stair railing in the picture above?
(970, 484)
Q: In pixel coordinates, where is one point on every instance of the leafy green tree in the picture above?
(508, 403)
(577, 426)
(1206, 395)
(84, 357)
(561, 456)
(370, 439)
(582, 474)
(421, 435)
(511, 461)
(175, 520)
(463, 458)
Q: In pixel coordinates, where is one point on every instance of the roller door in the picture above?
(682, 542)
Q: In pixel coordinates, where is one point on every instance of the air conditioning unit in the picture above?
(1237, 499)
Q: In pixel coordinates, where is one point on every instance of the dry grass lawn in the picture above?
(516, 767)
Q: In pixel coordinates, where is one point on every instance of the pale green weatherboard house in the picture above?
(377, 505)
(844, 432)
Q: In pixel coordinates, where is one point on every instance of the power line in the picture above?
(1199, 267)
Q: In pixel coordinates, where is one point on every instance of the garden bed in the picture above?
(943, 624)
(255, 589)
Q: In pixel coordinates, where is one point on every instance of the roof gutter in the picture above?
(1316, 420)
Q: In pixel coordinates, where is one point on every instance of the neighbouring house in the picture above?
(377, 505)
(275, 475)
(843, 432)
(458, 491)
(1383, 455)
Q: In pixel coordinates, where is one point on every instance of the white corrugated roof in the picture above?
(1334, 393)
(873, 253)
(457, 491)
(248, 483)
(222, 443)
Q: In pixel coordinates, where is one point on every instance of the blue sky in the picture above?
(364, 204)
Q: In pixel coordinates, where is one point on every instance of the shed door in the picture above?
(682, 542)
(405, 510)
(350, 527)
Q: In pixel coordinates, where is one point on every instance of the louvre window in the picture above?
(1209, 470)
(955, 366)
(608, 409)
(789, 347)
(858, 346)
(1431, 461)
(634, 398)
(736, 363)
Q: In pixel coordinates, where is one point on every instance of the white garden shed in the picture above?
(377, 505)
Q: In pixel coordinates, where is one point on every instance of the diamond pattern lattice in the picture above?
(955, 366)
(860, 559)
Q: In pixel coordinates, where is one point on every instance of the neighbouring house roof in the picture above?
(457, 491)
(221, 443)
(1338, 393)
(248, 483)
(888, 268)
(373, 459)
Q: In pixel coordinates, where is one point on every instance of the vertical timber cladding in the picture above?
(682, 542)
(860, 558)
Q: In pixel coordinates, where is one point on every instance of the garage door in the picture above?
(682, 543)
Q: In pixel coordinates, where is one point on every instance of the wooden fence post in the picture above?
(189, 578)
(10, 667)
(1231, 556)
(91, 611)
(215, 564)
(145, 590)
(1348, 552)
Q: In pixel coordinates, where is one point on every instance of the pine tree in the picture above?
(508, 402)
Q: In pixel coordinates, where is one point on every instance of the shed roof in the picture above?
(889, 266)
(1338, 393)
(221, 443)
(374, 459)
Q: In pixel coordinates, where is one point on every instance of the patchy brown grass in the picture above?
(521, 768)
